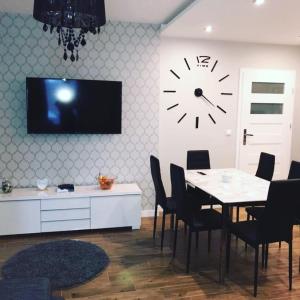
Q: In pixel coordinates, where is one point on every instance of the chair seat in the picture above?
(256, 211)
(206, 219)
(246, 231)
(201, 197)
(171, 205)
(297, 220)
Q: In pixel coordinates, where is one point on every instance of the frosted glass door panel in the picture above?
(266, 108)
(267, 88)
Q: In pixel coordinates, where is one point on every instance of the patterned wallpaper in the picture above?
(125, 52)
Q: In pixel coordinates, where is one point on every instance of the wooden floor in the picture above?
(139, 270)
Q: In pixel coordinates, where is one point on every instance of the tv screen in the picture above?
(73, 106)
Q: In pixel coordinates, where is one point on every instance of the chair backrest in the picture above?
(265, 169)
(160, 193)
(277, 220)
(198, 159)
(178, 190)
(294, 172)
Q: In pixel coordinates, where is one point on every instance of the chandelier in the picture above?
(71, 21)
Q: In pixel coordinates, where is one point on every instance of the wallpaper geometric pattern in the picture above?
(124, 52)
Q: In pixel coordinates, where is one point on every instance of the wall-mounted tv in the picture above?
(73, 106)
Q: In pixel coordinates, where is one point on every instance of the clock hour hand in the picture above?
(207, 100)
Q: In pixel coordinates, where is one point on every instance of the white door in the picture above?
(265, 118)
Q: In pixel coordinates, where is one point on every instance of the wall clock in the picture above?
(198, 91)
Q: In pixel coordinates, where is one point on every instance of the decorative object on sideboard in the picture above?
(6, 186)
(42, 184)
(105, 182)
(63, 17)
(65, 187)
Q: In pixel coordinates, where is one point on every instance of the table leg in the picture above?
(225, 219)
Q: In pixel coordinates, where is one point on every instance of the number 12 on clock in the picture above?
(203, 61)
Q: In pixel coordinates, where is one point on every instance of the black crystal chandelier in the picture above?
(71, 21)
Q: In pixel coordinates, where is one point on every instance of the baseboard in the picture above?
(147, 213)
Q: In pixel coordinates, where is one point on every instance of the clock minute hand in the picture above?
(207, 100)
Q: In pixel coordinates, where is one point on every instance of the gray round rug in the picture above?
(65, 263)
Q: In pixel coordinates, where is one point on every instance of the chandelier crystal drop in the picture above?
(71, 21)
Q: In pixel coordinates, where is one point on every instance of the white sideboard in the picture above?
(32, 211)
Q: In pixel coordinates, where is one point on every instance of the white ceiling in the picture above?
(275, 22)
(139, 11)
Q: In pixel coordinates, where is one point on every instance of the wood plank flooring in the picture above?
(139, 270)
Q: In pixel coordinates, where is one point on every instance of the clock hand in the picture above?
(207, 100)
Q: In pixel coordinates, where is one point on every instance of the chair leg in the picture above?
(248, 219)
(208, 240)
(228, 252)
(237, 214)
(256, 270)
(189, 251)
(197, 239)
(163, 231)
(266, 256)
(175, 238)
(237, 218)
(290, 264)
(155, 220)
(231, 213)
(172, 221)
(185, 228)
(263, 251)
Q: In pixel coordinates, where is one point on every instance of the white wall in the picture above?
(175, 139)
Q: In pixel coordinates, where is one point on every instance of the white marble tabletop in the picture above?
(229, 186)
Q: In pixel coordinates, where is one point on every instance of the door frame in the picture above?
(239, 138)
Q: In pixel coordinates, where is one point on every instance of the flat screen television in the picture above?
(73, 106)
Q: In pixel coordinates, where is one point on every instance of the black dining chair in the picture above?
(188, 211)
(167, 204)
(276, 223)
(197, 160)
(266, 165)
(257, 211)
(265, 170)
(294, 173)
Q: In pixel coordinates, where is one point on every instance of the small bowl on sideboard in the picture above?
(105, 183)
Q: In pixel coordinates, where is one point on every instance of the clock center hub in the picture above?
(198, 92)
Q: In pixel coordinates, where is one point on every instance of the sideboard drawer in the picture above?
(65, 214)
(63, 203)
(66, 225)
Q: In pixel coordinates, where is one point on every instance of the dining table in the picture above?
(229, 187)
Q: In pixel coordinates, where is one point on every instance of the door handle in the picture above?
(245, 136)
